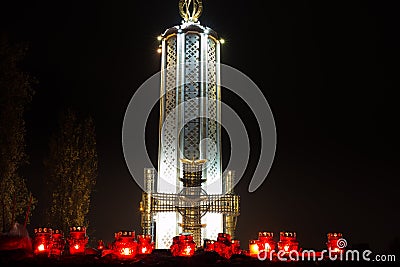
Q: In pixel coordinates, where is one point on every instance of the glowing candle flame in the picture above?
(286, 248)
(126, 251)
(41, 247)
(254, 249)
(188, 250)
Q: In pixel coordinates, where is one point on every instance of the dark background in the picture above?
(328, 69)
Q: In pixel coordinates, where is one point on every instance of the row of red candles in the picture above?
(52, 243)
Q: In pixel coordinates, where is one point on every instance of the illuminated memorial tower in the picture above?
(190, 193)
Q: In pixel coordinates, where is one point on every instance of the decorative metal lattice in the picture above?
(191, 136)
(168, 156)
(166, 228)
(213, 133)
(189, 201)
(224, 204)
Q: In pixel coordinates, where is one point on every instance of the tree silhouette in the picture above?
(72, 171)
(15, 94)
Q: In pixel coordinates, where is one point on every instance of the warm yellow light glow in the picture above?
(188, 249)
(159, 38)
(76, 246)
(144, 249)
(159, 50)
(254, 249)
(222, 41)
(126, 251)
(41, 247)
(286, 248)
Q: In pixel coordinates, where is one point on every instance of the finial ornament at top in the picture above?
(190, 10)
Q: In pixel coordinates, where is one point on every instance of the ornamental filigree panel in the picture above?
(191, 130)
(213, 151)
(168, 153)
(166, 229)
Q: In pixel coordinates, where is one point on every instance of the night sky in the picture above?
(328, 69)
